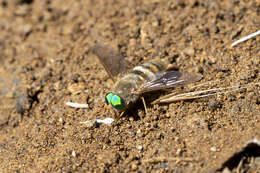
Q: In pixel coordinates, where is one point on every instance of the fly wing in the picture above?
(169, 79)
(113, 62)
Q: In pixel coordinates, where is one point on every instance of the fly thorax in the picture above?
(127, 85)
(145, 72)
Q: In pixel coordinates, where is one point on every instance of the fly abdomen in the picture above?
(145, 72)
(148, 70)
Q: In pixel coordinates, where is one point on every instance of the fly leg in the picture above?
(145, 108)
(118, 116)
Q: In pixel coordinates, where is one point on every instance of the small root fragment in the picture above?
(169, 159)
(245, 38)
(77, 105)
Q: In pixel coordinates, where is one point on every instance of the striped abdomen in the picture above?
(132, 81)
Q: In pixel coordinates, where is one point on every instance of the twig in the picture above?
(77, 105)
(245, 38)
(168, 159)
(107, 121)
(196, 94)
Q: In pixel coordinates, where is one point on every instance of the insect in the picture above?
(129, 85)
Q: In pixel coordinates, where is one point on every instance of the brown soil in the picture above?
(46, 60)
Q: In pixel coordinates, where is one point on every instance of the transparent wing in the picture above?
(169, 79)
(113, 62)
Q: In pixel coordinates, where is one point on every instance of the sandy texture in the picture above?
(46, 61)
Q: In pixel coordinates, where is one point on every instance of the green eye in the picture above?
(108, 98)
(117, 102)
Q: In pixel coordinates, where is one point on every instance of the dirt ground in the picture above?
(46, 60)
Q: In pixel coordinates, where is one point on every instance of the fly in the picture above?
(144, 78)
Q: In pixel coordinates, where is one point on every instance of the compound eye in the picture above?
(108, 98)
(117, 102)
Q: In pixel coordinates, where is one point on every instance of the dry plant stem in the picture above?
(245, 38)
(168, 159)
(196, 94)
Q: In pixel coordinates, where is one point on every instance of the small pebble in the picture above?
(90, 123)
(134, 166)
(139, 147)
(213, 104)
(226, 170)
(198, 69)
(131, 119)
(139, 133)
(178, 152)
(189, 51)
(76, 77)
(60, 120)
(159, 135)
(76, 88)
(73, 153)
(213, 149)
